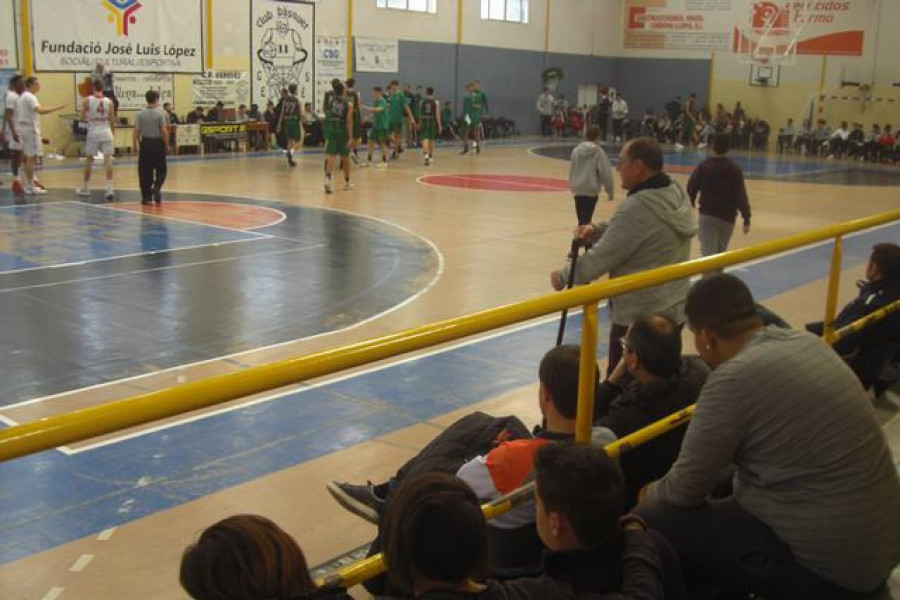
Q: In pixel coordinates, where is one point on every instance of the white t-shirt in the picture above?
(12, 99)
(28, 120)
(98, 110)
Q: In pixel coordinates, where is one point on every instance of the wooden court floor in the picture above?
(494, 247)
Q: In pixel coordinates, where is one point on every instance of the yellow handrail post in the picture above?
(209, 34)
(27, 55)
(834, 282)
(349, 69)
(586, 373)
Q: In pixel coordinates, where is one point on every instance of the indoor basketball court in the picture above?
(247, 261)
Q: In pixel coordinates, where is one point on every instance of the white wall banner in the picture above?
(163, 36)
(187, 135)
(331, 63)
(282, 46)
(231, 87)
(131, 88)
(377, 55)
(9, 47)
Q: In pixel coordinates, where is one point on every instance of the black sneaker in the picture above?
(157, 196)
(361, 500)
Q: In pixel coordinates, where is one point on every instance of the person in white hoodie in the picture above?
(619, 113)
(589, 171)
(652, 228)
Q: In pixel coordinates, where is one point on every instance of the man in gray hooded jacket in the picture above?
(652, 228)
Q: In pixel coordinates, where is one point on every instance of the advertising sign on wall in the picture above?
(282, 46)
(816, 27)
(377, 55)
(132, 87)
(9, 51)
(163, 36)
(223, 131)
(331, 63)
(230, 87)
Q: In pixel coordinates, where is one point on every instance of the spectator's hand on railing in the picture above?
(556, 281)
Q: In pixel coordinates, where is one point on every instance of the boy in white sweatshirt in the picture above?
(588, 172)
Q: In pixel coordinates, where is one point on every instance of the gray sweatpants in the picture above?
(714, 234)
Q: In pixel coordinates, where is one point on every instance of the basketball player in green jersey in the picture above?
(339, 124)
(469, 119)
(399, 109)
(380, 126)
(479, 108)
(289, 122)
(356, 133)
(429, 124)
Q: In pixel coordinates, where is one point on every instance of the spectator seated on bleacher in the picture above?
(870, 350)
(651, 382)
(580, 493)
(837, 144)
(251, 558)
(886, 145)
(820, 137)
(813, 512)
(804, 140)
(786, 137)
(503, 452)
(856, 141)
(760, 132)
(436, 547)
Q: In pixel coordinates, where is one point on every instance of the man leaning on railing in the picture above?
(652, 228)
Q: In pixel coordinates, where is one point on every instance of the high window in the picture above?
(425, 6)
(514, 11)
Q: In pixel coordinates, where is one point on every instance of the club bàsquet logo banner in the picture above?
(159, 36)
(815, 26)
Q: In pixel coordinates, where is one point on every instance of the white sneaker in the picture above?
(348, 186)
(328, 186)
(679, 146)
(34, 191)
(701, 145)
(381, 165)
(110, 194)
(83, 192)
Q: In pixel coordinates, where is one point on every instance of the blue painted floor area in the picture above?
(58, 233)
(169, 293)
(763, 166)
(53, 499)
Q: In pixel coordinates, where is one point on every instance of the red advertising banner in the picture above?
(803, 26)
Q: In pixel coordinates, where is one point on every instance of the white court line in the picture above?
(306, 388)
(106, 534)
(133, 213)
(193, 264)
(414, 297)
(205, 203)
(131, 255)
(54, 593)
(82, 563)
(7, 421)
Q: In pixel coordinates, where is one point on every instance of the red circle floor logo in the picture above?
(496, 182)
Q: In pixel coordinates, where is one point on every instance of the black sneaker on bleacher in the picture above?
(361, 500)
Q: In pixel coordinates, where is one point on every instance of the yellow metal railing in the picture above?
(58, 430)
(864, 322)
(374, 565)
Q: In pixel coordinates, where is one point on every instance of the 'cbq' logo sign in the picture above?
(121, 12)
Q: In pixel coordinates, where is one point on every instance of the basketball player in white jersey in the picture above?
(99, 113)
(13, 141)
(28, 126)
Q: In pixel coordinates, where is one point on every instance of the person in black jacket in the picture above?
(579, 499)
(436, 546)
(869, 349)
(651, 382)
(251, 558)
